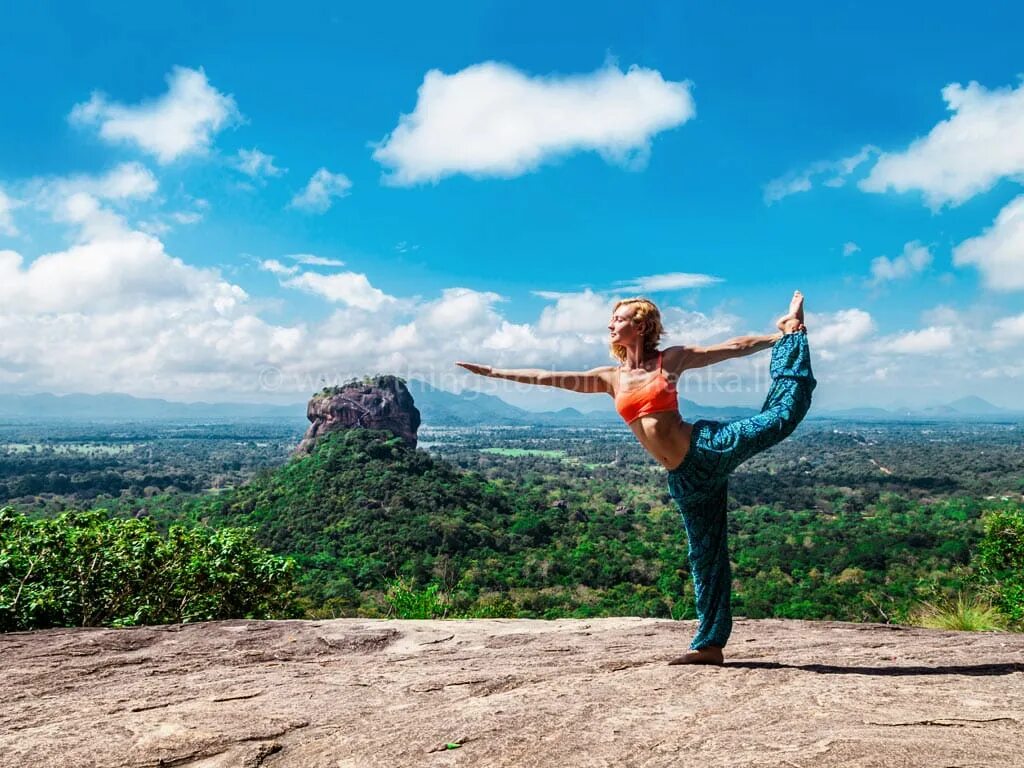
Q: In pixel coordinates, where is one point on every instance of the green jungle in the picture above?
(135, 524)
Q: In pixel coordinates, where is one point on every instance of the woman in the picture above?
(701, 455)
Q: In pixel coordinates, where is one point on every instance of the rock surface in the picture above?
(567, 693)
(381, 402)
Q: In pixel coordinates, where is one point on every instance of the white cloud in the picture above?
(999, 252)
(914, 259)
(586, 312)
(7, 205)
(836, 172)
(350, 288)
(187, 217)
(689, 327)
(838, 329)
(256, 164)
(158, 325)
(493, 120)
(123, 182)
(670, 281)
(964, 155)
(320, 261)
(322, 186)
(461, 309)
(923, 342)
(1008, 330)
(276, 267)
(850, 248)
(783, 187)
(180, 122)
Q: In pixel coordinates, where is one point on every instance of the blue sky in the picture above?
(244, 203)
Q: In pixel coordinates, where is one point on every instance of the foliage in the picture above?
(366, 518)
(1001, 558)
(87, 569)
(407, 602)
(575, 522)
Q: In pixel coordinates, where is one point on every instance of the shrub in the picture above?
(1001, 559)
(407, 602)
(88, 569)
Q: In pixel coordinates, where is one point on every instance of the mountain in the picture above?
(970, 408)
(977, 406)
(118, 407)
(440, 408)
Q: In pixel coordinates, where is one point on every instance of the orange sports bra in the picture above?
(657, 395)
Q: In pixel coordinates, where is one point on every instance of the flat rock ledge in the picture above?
(567, 693)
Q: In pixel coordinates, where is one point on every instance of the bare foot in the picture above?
(793, 321)
(712, 654)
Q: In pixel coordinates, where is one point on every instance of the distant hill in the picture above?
(976, 406)
(438, 408)
(118, 407)
(964, 409)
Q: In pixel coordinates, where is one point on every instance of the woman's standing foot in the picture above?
(711, 654)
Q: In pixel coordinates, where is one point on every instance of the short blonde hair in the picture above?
(645, 314)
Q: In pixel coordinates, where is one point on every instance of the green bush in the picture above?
(407, 602)
(1001, 559)
(87, 569)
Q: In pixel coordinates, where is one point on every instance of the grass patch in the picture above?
(964, 613)
(553, 454)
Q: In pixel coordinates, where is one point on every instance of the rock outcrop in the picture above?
(380, 402)
(508, 692)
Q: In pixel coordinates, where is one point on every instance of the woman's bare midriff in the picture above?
(665, 436)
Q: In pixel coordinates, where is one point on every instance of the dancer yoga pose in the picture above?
(701, 455)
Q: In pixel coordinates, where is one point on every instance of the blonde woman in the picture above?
(698, 456)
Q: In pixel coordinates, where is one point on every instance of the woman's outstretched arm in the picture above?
(679, 359)
(596, 380)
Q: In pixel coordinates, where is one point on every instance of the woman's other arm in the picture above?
(596, 380)
(679, 359)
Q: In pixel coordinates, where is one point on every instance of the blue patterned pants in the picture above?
(699, 485)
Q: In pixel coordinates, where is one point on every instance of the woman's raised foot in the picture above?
(793, 321)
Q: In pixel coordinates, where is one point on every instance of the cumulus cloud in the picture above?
(116, 312)
(831, 173)
(122, 183)
(670, 281)
(838, 329)
(181, 122)
(1008, 329)
(964, 155)
(850, 248)
(585, 312)
(998, 253)
(923, 342)
(7, 206)
(461, 309)
(256, 164)
(350, 288)
(323, 186)
(914, 259)
(493, 120)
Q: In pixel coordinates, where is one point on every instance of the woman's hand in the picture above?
(483, 370)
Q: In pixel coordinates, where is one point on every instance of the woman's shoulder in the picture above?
(674, 358)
